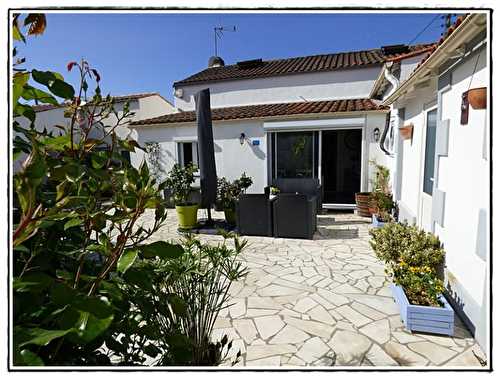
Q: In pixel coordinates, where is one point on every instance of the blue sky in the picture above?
(148, 52)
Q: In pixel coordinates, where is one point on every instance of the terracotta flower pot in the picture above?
(477, 97)
(372, 207)
(363, 203)
(406, 132)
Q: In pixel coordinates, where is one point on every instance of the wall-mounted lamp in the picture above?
(242, 138)
(376, 134)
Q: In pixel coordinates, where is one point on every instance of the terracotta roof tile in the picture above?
(312, 63)
(445, 36)
(270, 110)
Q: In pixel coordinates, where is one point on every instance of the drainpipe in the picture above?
(395, 83)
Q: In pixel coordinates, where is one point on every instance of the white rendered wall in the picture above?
(375, 152)
(151, 106)
(464, 176)
(231, 158)
(408, 66)
(340, 84)
(411, 169)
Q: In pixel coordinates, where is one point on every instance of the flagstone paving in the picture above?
(324, 302)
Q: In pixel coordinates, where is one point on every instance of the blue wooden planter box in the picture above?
(418, 318)
(376, 223)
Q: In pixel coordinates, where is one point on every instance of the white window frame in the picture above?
(180, 151)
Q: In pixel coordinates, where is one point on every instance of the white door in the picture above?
(428, 171)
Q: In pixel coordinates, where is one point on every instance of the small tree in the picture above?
(179, 181)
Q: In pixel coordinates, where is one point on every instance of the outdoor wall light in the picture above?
(242, 138)
(376, 134)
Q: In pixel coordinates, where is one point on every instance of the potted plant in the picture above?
(179, 181)
(365, 204)
(406, 132)
(383, 207)
(273, 192)
(228, 193)
(414, 260)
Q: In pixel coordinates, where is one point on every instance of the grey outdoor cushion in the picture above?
(294, 216)
(254, 215)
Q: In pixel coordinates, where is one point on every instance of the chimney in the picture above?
(215, 62)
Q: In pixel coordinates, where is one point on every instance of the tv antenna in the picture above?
(448, 20)
(219, 31)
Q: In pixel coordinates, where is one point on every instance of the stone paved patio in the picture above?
(325, 302)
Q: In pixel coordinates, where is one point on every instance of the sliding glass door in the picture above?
(334, 156)
(294, 154)
(341, 165)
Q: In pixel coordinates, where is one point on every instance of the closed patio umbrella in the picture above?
(206, 156)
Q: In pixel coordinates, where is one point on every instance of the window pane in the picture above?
(188, 153)
(295, 155)
(430, 149)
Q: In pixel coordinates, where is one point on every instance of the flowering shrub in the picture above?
(421, 285)
(413, 259)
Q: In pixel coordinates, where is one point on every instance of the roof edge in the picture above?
(200, 82)
(443, 50)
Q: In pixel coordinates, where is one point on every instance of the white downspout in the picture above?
(391, 78)
(395, 83)
(397, 167)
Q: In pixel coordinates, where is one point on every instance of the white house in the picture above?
(326, 116)
(442, 178)
(298, 117)
(142, 104)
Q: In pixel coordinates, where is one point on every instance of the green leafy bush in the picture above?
(384, 205)
(381, 181)
(413, 259)
(179, 181)
(421, 284)
(79, 204)
(183, 300)
(78, 243)
(228, 192)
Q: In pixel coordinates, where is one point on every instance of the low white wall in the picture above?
(340, 84)
(464, 176)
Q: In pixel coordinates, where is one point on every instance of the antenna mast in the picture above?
(218, 32)
(448, 20)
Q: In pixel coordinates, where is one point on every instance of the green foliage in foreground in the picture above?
(88, 289)
(177, 301)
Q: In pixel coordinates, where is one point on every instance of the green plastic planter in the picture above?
(188, 216)
(230, 215)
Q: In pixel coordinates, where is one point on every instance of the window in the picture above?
(187, 153)
(295, 155)
(430, 149)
